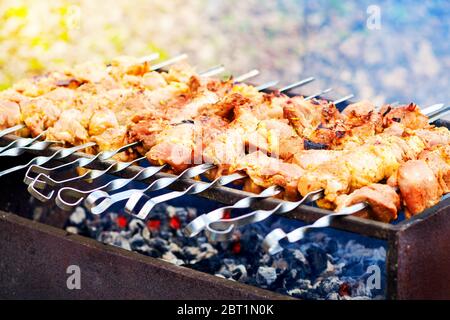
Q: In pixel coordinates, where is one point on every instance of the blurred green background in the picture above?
(406, 59)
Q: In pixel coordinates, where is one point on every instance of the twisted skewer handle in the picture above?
(112, 185)
(272, 244)
(107, 200)
(199, 224)
(78, 163)
(59, 154)
(192, 189)
(43, 180)
(6, 131)
(19, 146)
(222, 230)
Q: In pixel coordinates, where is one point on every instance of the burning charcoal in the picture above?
(191, 253)
(207, 247)
(266, 276)
(297, 293)
(170, 257)
(331, 246)
(137, 241)
(164, 235)
(159, 244)
(333, 296)
(146, 234)
(136, 225)
(239, 273)
(78, 216)
(115, 239)
(171, 211)
(317, 259)
(72, 229)
(338, 268)
(328, 285)
(224, 272)
(289, 281)
(173, 247)
(298, 262)
(266, 260)
(210, 265)
(145, 249)
(304, 284)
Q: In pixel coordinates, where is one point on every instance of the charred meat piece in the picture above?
(266, 171)
(422, 182)
(418, 185)
(182, 145)
(9, 114)
(384, 202)
(409, 116)
(370, 163)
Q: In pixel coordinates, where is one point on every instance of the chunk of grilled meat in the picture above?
(422, 182)
(383, 200)
(408, 115)
(418, 185)
(9, 113)
(181, 145)
(266, 171)
(369, 163)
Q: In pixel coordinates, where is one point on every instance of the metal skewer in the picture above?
(59, 154)
(44, 173)
(251, 74)
(194, 188)
(267, 85)
(222, 230)
(6, 131)
(191, 190)
(213, 71)
(272, 240)
(38, 146)
(19, 143)
(219, 229)
(297, 84)
(78, 163)
(206, 220)
(168, 62)
(22, 142)
(108, 200)
(156, 185)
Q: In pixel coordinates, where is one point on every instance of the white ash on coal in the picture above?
(320, 267)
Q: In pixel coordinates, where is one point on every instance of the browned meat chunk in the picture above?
(418, 185)
(266, 171)
(383, 200)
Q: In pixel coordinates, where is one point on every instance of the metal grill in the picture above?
(45, 187)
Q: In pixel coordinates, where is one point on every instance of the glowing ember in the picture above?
(122, 222)
(154, 224)
(175, 223)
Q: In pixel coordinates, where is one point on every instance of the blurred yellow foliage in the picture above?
(36, 36)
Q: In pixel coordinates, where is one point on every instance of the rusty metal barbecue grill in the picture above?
(408, 274)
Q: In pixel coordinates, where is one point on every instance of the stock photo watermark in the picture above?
(374, 280)
(373, 21)
(73, 282)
